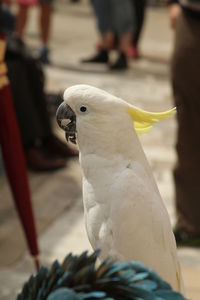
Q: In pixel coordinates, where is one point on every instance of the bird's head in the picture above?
(89, 108)
(88, 111)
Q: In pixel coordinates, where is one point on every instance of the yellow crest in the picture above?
(144, 120)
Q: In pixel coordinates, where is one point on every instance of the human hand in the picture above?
(174, 12)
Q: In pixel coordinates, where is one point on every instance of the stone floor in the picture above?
(57, 196)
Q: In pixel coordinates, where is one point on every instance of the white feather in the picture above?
(124, 213)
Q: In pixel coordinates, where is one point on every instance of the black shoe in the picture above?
(57, 147)
(120, 64)
(100, 58)
(38, 161)
(183, 239)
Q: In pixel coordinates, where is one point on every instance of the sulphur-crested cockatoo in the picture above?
(124, 213)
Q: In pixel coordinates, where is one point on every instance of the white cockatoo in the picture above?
(124, 213)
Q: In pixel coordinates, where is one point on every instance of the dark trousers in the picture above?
(186, 87)
(139, 13)
(27, 86)
(113, 15)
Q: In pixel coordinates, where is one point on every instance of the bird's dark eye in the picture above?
(83, 108)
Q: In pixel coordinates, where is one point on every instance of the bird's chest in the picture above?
(112, 196)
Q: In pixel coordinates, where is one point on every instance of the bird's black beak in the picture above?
(66, 119)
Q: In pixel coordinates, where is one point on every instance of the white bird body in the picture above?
(124, 213)
(136, 224)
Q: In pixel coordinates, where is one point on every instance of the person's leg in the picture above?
(45, 25)
(22, 16)
(45, 22)
(122, 19)
(139, 6)
(124, 42)
(185, 76)
(102, 11)
(139, 9)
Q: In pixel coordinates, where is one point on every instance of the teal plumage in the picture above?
(81, 278)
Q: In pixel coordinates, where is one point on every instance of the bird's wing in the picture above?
(139, 224)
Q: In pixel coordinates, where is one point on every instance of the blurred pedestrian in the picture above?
(45, 7)
(185, 19)
(43, 150)
(139, 7)
(113, 17)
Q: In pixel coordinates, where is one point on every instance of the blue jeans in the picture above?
(114, 15)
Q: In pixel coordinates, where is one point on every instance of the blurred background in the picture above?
(51, 46)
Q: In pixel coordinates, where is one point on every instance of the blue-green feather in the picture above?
(78, 277)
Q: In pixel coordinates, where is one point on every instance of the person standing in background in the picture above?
(185, 19)
(114, 18)
(45, 19)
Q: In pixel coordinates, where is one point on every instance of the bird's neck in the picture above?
(120, 142)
